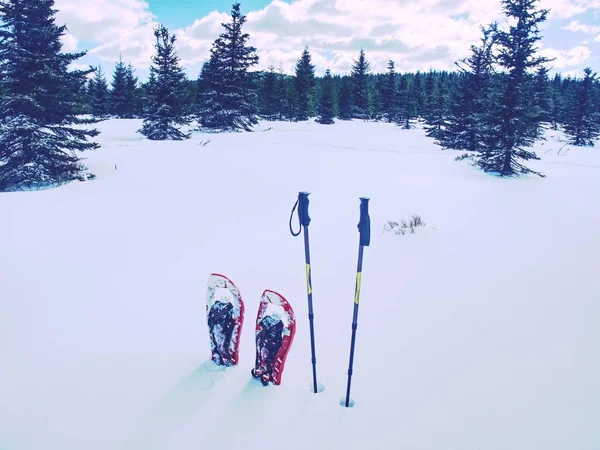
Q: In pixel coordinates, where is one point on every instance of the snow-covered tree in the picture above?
(467, 123)
(326, 103)
(122, 94)
(40, 133)
(542, 100)
(407, 108)
(390, 94)
(515, 119)
(271, 97)
(582, 114)
(99, 94)
(439, 108)
(360, 87)
(230, 100)
(305, 83)
(345, 99)
(166, 97)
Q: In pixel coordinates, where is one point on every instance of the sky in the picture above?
(415, 34)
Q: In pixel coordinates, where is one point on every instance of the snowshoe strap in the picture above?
(299, 223)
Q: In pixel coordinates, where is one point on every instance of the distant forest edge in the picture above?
(496, 104)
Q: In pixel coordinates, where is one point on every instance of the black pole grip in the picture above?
(303, 209)
(364, 225)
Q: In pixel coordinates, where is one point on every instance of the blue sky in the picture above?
(416, 34)
(177, 13)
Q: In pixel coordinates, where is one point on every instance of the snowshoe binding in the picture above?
(274, 336)
(225, 318)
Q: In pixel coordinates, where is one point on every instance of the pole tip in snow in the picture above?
(349, 405)
(320, 388)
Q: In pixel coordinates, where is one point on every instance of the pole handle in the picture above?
(364, 224)
(303, 209)
(303, 217)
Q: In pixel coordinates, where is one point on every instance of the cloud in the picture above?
(113, 27)
(567, 58)
(564, 9)
(578, 27)
(69, 43)
(416, 34)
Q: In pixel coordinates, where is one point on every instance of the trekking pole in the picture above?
(364, 228)
(304, 219)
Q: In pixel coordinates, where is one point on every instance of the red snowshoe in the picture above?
(225, 316)
(275, 329)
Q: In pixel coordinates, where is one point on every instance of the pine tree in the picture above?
(515, 120)
(290, 103)
(555, 115)
(583, 118)
(345, 99)
(230, 102)
(280, 93)
(81, 97)
(99, 95)
(437, 118)
(468, 121)
(131, 96)
(542, 99)
(165, 107)
(407, 108)
(377, 88)
(38, 100)
(360, 90)
(122, 92)
(270, 95)
(326, 104)
(417, 93)
(390, 94)
(304, 83)
(430, 94)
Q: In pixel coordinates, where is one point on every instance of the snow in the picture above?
(478, 332)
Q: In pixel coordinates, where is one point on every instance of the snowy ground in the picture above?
(481, 332)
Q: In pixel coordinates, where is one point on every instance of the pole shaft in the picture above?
(354, 321)
(311, 314)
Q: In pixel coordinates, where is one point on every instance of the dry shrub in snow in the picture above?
(405, 226)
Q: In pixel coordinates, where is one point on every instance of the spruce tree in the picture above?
(468, 121)
(542, 99)
(290, 103)
(304, 83)
(377, 110)
(429, 90)
(270, 96)
(131, 96)
(437, 118)
(230, 101)
(122, 92)
(417, 93)
(556, 112)
(582, 115)
(407, 108)
(38, 100)
(345, 99)
(280, 93)
(99, 95)
(326, 103)
(515, 120)
(165, 105)
(390, 94)
(360, 88)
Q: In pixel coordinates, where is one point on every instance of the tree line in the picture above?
(496, 105)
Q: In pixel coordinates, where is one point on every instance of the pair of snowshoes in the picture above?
(275, 328)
